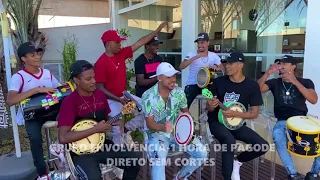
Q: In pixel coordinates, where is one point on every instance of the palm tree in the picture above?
(23, 14)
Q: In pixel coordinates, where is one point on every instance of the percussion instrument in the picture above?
(93, 143)
(205, 76)
(44, 105)
(303, 136)
(184, 129)
(232, 123)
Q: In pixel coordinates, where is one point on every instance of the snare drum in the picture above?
(205, 76)
(184, 129)
(303, 136)
(45, 105)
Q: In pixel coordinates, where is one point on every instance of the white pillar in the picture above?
(189, 32)
(311, 63)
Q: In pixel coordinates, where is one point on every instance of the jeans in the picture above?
(191, 91)
(228, 138)
(158, 147)
(33, 128)
(281, 142)
(126, 160)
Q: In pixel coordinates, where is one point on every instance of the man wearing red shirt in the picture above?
(110, 75)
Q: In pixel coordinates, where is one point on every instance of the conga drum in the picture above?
(303, 136)
(205, 76)
(45, 105)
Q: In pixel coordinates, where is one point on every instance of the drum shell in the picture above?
(306, 137)
(44, 105)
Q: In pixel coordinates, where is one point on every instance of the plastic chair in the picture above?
(270, 120)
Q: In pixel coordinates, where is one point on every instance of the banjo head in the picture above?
(235, 122)
(90, 144)
(183, 129)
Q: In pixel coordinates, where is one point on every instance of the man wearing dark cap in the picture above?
(146, 65)
(290, 94)
(196, 60)
(110, 70)
(27, 82)
(235, 87)
(87, 102)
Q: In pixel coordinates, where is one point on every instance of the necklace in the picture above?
(95, 105)
(116, 66)
(287, 90)
(206, 60)
(148, 59)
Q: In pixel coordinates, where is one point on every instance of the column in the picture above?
(311, 63)
(189, 32)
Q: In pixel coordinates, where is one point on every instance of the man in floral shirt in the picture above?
(161, 106)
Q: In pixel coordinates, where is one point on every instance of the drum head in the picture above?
(304, 124)
(203, 77)
(183, 130)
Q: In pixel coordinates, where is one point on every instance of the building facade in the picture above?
(263, 30)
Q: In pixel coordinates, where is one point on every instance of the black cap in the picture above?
(287, 59)
(202, 37)
(234, 57)
(27, 48)
(154, 41)
(78, 67)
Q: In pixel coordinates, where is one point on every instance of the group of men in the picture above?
(98, 96)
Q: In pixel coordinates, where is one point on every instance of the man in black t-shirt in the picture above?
(290, 94)
(146, 65)
(236, 87)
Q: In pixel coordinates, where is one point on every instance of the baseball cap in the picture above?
(154, 41)
(287, 59)
(234, 57)
(165, 69)
(202, 37)
(26, 48)
(111, 35)
(78, 67)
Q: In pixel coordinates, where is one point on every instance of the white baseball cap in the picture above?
(165, 69)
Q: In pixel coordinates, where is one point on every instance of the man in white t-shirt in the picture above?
(27, 82)
(196, 60)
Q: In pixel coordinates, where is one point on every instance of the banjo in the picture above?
(232, 123)
(93, 143)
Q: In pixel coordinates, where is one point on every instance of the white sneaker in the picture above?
(44, 177)
(236, 170)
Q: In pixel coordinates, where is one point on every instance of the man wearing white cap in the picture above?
(161, 106)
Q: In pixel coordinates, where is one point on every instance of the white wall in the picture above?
(90, 46)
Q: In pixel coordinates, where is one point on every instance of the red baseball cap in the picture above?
(111, 35)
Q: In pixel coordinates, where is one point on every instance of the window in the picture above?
(55, 69)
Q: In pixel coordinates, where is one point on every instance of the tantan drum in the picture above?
(303, 136)
(45, 105)
(205, 76)
(184, 129)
